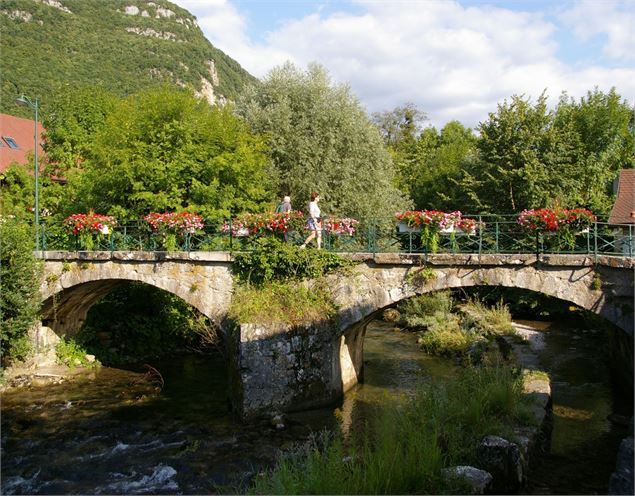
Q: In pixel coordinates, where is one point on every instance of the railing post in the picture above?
(595, 235)
(496, 248)
(231, 235)
(480, 235)
(371, 234)
(630, 240)
(43, 236)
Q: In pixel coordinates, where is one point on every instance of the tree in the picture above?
(400, 126)
(19, 281)
(72, 118)
(400, 129)
(531, 157)
(602, 137)
(166, 150)
(512, 144)
(440, 162)
(321, 140)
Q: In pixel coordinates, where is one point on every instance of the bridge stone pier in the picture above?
(281, 368)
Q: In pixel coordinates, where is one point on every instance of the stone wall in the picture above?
(74, 281)
(282, 368)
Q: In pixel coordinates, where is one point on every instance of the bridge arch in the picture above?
(73, 284)
(602, 289)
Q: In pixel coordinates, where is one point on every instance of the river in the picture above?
(112, 433)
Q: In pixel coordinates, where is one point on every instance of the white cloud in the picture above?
(453, 62)
(614, 19)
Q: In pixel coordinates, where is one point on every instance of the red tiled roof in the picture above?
(624, 207)
(22, 132)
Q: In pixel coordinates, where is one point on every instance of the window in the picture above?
(11, 142)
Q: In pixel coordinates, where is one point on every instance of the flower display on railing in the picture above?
(345, 225)
(174, 226)
(90, 223)
(433, 223)
(547, 219)
(468, 226)
(264, 223)
(89, 226)
(560, 224)
(434, 218)
(175, 222)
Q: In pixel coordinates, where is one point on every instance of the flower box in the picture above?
(450, 229)
(405, 228)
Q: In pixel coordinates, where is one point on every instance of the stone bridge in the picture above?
(287, 368)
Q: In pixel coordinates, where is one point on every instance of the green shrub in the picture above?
(275, 260)
(448, 342)
(70, 352)
(487, 320)
(19, 279)
(417, 310)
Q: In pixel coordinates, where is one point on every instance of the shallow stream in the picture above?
(112, 433)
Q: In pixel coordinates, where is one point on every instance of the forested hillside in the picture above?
(122, 45)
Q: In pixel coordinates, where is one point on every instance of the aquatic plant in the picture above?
(405, 447)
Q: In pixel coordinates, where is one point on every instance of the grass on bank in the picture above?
(404, 449)
(450, 329)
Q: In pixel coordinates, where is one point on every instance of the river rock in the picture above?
(278, 421)
(478, 480)
(621, 481)
(90, 358)
(503, 461)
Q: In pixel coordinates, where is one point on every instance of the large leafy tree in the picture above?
(72, 119)
(400, 129)
(512, 147)
(322, 140)
(600, 127)
(166, 150)
(532, 157)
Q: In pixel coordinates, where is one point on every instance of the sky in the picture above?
(453, 59)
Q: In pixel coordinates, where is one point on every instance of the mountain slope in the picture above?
(122, 45)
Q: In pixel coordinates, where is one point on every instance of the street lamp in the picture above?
(25, 100)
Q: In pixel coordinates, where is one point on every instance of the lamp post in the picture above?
(25, 100)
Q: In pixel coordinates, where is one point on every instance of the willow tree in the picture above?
(321, 139)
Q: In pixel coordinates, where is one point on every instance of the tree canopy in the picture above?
(322, 140)
(166, 150)
(531, 157)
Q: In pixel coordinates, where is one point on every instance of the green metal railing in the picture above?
(493, 235)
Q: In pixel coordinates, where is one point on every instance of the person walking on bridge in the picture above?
(314, 222)
(285, 206)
